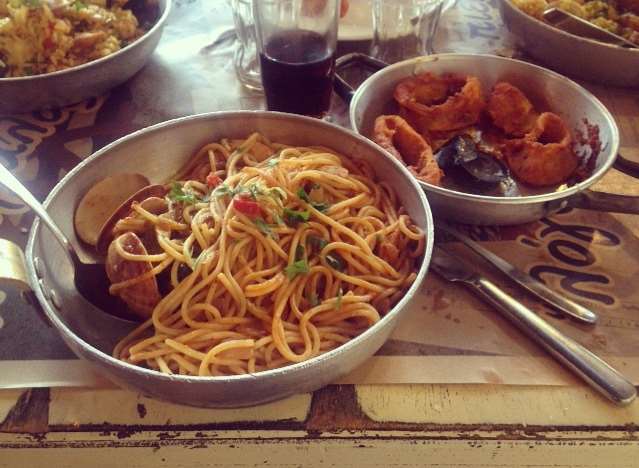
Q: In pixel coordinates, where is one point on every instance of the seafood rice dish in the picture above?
(620, 17)
(44, 36)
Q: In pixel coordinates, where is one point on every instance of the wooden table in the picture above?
(341, 425)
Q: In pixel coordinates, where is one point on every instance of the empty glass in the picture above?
(246, 62)
(404, 29)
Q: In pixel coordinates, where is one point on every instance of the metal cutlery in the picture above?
(523, 279)
(593, 370)
(580, 27)
(90, 279)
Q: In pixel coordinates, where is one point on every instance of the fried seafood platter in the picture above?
(451, 130)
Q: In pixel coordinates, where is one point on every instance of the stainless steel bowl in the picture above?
(562, 96)
(29, 93)
(572, 55)
(158, 152)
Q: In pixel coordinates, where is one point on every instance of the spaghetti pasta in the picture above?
(267, 255)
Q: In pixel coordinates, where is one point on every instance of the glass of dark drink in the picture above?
(296, 42)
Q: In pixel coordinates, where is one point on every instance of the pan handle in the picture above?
(602, 201)
(627, 166)
(614, 203)
(13, 274)
(341, 87)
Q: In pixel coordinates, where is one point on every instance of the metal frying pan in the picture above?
(158, 152)
(557, 93)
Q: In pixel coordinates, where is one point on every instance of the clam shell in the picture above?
(101, 201)
(106, 232)
(141, 297)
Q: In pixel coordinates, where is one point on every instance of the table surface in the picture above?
(340, 425)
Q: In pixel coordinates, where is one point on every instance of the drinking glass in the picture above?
(245, 61)
(296, 44)
(404, 29)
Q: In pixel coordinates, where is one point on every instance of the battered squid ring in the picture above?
(396, 136)
(544, 156)
(440, 103)
(510, 110)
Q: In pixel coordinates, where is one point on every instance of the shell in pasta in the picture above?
(140, 295)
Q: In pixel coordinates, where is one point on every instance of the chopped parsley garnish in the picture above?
(272, 162)
(222, 190)
(317, 243)
(79, 5)
(303, 195)
(293, 217)
(320, 206)
(255, 191)
(299, 267)
(178, 194)
(335, 261)
(31, 3)
(264, 227)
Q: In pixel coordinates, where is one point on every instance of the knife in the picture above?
(593, 370)
(526, 281)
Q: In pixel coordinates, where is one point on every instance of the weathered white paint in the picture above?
(492, 404)
(280, 449)
(83, 406)
(8, 399)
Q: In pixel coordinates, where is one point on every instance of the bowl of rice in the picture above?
(59, 52)
(572, 55)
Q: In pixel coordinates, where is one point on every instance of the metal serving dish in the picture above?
(29, 93)
(557, 93)
(576, 56)
(158, 152)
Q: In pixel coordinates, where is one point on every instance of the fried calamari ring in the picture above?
(510, 110)
(440, 103)
(544, 156)
(396, 136)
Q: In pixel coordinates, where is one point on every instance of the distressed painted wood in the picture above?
(340, 426)
(492, 404)
(221, 449)
(8, 399)
(79, 407)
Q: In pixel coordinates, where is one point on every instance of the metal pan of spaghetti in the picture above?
(290, 248)
(58, 53)
(588, 127)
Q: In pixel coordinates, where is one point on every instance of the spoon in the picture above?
(580, 27)
(90, 279)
